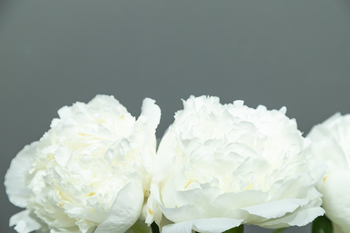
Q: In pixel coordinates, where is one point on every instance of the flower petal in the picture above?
(125, 211)
(197, 196)
(337, 229)
(323, 149)
(335, 188)
(24, 222)
(210, 225)
(298, 218)
(15, 177)
(276, 209)
(151, 111)
(215, 224)
(183, 213)
(230, 201)
(182, 227)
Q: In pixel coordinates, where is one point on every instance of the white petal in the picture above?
(155, 193)
(182, 227)
(303, 217)
(198, 196)
(62, 155)
(15, 177)
(153, 212)
(164, 222)
(298, 218)
(337, 229)
(164, 162)
(151, 111)
(323, 149)
(321, 131)
(153, 204)
(183, 213)
(125, 211)
(230, 201)
(336, 199)
(24, 222)
(210, 225)
(215, 224)
(277, 208)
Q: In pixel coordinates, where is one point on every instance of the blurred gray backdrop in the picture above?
(276, 53)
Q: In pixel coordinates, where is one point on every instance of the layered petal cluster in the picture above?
(331, 144)
(219, 166)
(90, 172)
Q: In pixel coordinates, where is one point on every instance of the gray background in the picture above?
(277, 53)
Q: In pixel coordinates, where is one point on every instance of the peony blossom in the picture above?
(331, 144)
(219, 166)
(90, 172)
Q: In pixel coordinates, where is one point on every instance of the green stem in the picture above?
(279, 230)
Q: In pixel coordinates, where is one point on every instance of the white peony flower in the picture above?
(219, 166)
(331, 144)
(90, 172)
